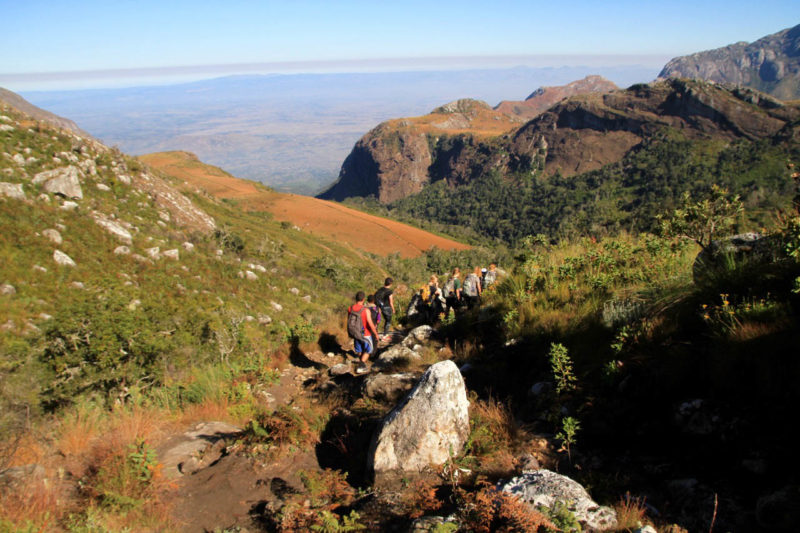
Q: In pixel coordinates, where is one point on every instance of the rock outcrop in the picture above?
(545, 488)
(429, 425)
(545, 97)
(770, 64)
(195, 449)
(579, 134)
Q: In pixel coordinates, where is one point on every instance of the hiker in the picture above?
(435, 307)
(361, 329)
(472, 288)
(452, 293)
(491, 276)
(384, 298)
(374, 310)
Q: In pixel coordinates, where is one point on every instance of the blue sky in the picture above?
(60, 36)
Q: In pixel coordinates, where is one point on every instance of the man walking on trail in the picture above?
(384, 298)
(472, 288)
(363, 346)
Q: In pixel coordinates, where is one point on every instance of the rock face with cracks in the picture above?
(427, 427)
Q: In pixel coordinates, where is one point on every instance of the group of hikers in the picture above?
(432, 303)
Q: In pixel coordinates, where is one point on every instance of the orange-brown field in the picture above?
(319, 217)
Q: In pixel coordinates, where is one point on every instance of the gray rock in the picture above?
(114, 227)
(63, 259)
(39, 268)
(645, 529)
(141, 258)
(396, 355)
(172, 254)
(19, 159)
(12, 190)
(122, 250)
(295, 291)
(6, 127)
(189, 247)
(196, 449)
(68, 206)
(53, 235)
(154, 252)
(63, 181)
(306, 298)
(250, 275)
(420, 334)
(389, 388)
(7, 289)
(276, 306)
(340, 369)
(103, 187)
(545, 488)
(78, 285)
(264, 320)
(429, 425)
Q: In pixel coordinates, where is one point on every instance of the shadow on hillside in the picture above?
(344, 445)
(328, 343)
(299, 359)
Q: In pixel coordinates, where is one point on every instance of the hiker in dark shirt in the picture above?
(384, 298)
(453, 291)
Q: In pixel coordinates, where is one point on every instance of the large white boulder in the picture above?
(64, 181)
(12, 190)
(545, 488)
(429, 425)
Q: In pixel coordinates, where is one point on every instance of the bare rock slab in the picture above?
(429, 425)
(195, 449)
(545, 488)
(62, 181)
(12, 190)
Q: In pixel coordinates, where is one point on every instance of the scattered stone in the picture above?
(172, 254)
(196, 449)
(295, 291)
(418, 335)
(19, 159)
(7, 289)
(122, 250)
(388, 388)
(9, 325)
(53, 235)
(6, 127)
(141, 258)
(63, 181)
(189, 247)
(306, 298)
(396, 355)
(45, 198)
(545, 488)
(427, 427)
(134, 305)
(164, 215)
(6, 119)
(154, 252)
(78, 285)
(249, 318)
(340, 369)
(89, 167)
(12, 190)
(219, 253)
(103, 187)
(276, 306)
(39, 268)
(250, 275)
(112, 226)
(124, 178)
(331, 354)
(69, 206)
(264, 320)
(258, 267)
(63, 259)
(45, 316)
(645, 529)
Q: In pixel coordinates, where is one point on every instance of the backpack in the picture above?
(470, 285)
(380, 295)
(376, 315)
(449, 288)
(425, 293)
(355, 326)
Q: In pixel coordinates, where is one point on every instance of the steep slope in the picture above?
(318, 217)
(770, 64)
(545, 97)
(14, 100)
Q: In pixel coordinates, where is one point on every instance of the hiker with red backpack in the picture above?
(362, 330)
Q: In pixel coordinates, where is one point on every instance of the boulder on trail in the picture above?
(545, 488)
(429, 425)
(195, 449)
(396, 355)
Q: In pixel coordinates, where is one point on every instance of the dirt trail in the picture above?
(319, 217)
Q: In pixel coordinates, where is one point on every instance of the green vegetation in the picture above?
(624, 196)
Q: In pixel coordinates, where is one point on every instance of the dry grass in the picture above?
(488, 510)
(631, 512)
(35, 501)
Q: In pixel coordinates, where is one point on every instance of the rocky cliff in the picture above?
(545, 97)
(579, 134)
(770, 64)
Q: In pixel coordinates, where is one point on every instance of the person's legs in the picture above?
(367, 349)
(387, 322)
